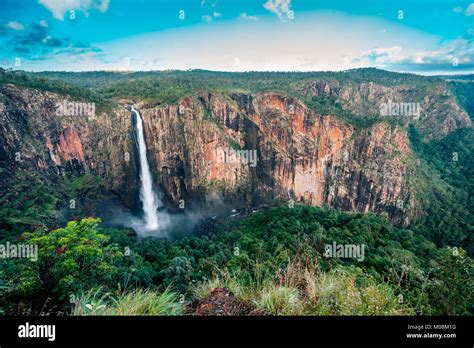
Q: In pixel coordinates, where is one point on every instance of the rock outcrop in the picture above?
(439, 114)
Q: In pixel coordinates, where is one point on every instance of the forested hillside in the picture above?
(401, 187)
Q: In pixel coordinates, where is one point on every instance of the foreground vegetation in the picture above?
(273, 261)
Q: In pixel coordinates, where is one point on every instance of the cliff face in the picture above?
(35, 138)
(246, 149)
(439, 112)
(300, 155)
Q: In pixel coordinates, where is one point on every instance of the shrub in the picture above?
(70, 260)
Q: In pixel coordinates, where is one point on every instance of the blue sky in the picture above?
(427, 37)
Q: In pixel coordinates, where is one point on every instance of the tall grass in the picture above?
(349, 291)
(137, 302)
(302, 289)
(279, 300)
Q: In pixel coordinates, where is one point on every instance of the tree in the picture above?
(452, 289)
(70, 259)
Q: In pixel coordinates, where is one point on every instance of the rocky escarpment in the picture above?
(37, 138)
(282, 149)
(439, 112)
(301, 156)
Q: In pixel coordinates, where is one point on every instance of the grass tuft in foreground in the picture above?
(137, 302)
(305, 290)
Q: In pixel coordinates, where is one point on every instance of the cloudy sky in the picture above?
(422, 36)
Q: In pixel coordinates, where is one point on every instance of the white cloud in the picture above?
(470, 30)
(43, 23)
(281, 8)
(211, 4)
(59, 8)
(246, 16)
(104, 5)
(207, 18)
(383, 53)
(46, 39)
(459, 52)
(469, 10)
(457, 9)
(15, 25)
(380, 56)
(208, 46)
(338, 42)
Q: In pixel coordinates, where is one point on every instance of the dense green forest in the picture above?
(464, 91)
(167, 87)
(23, 79)
(447, 166)
(273, 261)
(254, 81)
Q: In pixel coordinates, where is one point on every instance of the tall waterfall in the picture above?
(148, 196)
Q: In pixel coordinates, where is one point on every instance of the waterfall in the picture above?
(148, 196)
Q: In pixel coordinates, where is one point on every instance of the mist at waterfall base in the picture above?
(171, 226)
(155, 221)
